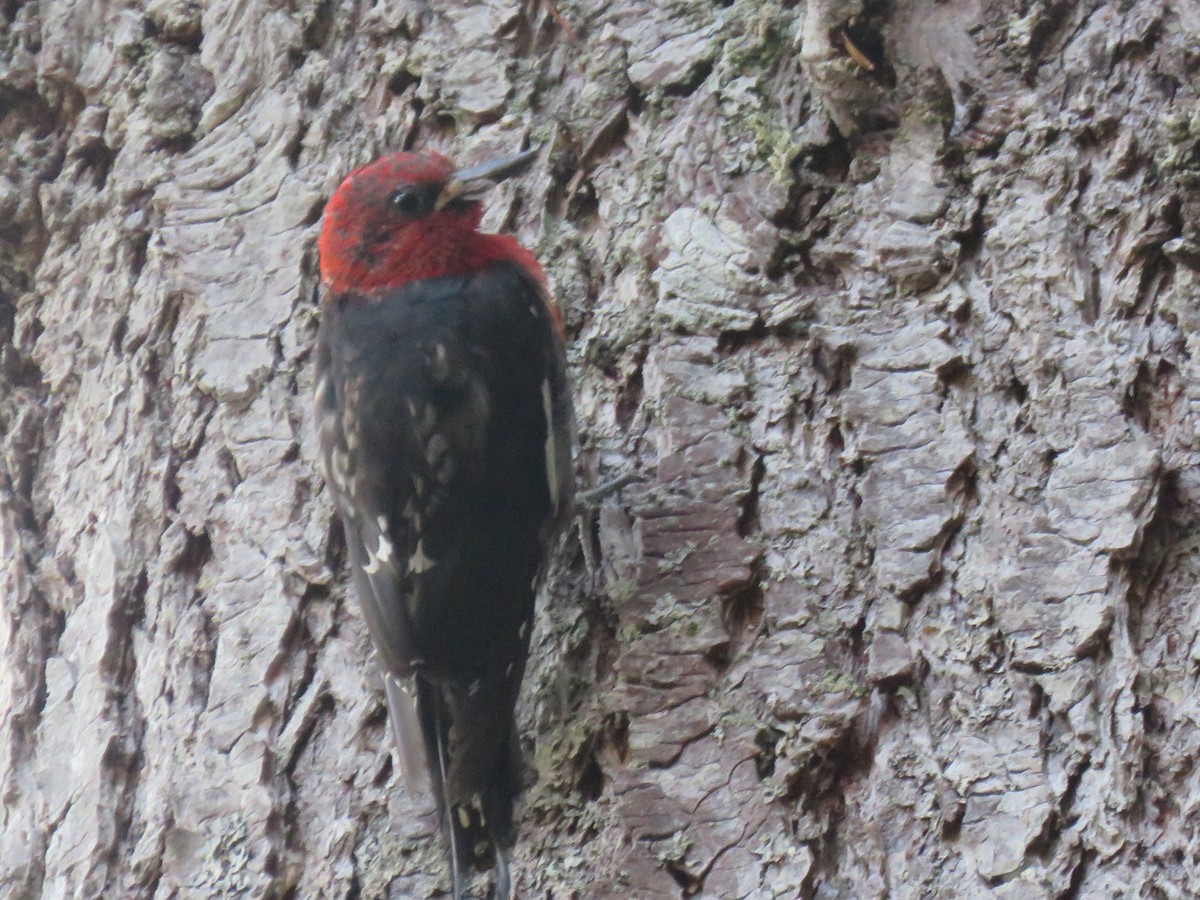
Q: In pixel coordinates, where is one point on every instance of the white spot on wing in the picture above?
(523, 630)
(423, 417)
(372, 565)
(385, 549)
(341, 463)
(339, 469)
(419, 562)
(435, 448)
(439, 363)
(551, 448)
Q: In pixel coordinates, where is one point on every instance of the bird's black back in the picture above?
(446, 426)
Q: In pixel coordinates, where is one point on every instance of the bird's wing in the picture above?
(406, 728)
(445, 426)
(378, 547)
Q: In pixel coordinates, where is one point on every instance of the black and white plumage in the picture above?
(446, 426)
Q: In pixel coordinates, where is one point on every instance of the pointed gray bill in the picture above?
(473, 182)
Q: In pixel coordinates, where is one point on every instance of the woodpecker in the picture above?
(446, 428)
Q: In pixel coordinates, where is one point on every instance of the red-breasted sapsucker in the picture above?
(446, 426)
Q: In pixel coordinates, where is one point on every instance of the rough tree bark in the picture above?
(892, 309)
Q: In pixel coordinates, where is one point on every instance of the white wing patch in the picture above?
(385, 549)
(551, 443)
(382, 554)
(419, 562)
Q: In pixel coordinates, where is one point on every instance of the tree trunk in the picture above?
(889, 307)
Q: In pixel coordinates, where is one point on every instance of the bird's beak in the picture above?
(473, 182)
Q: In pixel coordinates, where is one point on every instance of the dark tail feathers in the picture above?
(474, 770)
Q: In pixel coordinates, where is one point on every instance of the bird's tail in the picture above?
(474, 770)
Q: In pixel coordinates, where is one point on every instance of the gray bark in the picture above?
(898, 336)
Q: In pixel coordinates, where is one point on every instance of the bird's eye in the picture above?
(407, 202)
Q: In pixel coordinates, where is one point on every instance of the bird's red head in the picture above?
(410, 216)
